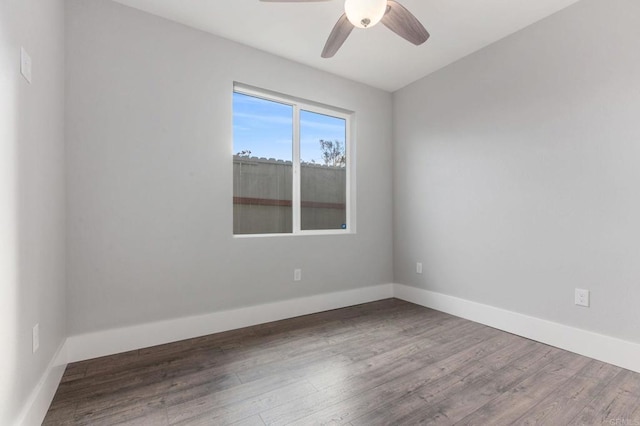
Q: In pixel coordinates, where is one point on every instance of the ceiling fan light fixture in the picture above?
(365, 13)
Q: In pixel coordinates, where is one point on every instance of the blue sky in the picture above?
(266, 129)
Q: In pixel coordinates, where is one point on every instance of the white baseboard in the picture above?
(608, 349)
(36, 407)
(92, 345)
(109, 342)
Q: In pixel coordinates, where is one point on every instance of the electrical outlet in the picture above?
(418, 268)
(297, 274)
(582, 297)
(35, 338)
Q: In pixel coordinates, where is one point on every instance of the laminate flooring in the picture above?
(388, 362)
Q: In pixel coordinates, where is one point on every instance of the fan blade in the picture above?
(293, 1)
(402, 22)
(337, 37)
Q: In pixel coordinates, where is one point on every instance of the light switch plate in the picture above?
(25, 64)
(35, 338)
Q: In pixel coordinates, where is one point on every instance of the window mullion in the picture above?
(295, 198)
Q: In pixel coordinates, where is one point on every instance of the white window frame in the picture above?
(300, 104)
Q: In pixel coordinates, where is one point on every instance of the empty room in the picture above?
(360, 212)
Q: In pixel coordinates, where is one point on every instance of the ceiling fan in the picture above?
(366, 14)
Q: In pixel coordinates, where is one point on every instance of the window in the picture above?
(291, 166)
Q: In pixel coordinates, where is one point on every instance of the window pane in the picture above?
(262, 166)
(323, 171)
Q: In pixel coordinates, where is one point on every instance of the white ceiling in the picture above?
(374, 56)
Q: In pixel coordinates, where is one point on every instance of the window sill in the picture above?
(299, 234)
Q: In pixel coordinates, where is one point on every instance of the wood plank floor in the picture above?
(388, 362)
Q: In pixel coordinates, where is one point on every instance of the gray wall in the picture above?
(149, 128)
(517, 171)
(32, 198)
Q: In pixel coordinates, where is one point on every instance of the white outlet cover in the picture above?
(297, 274)
(418, 268)
(582, 297)
(25, 64)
